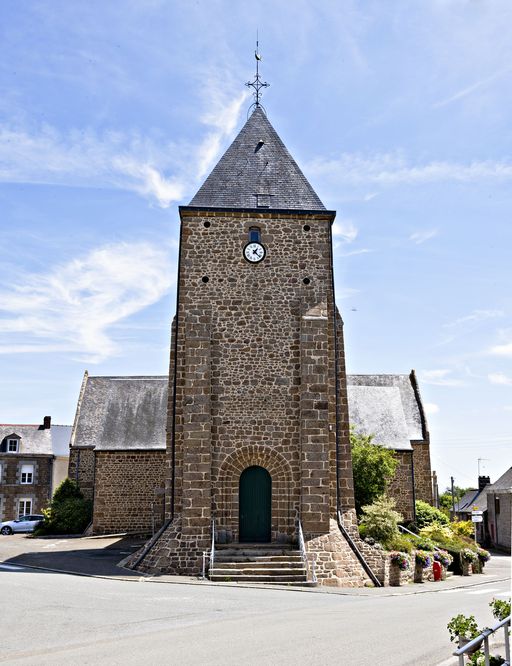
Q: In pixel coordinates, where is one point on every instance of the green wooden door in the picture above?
(255, 505)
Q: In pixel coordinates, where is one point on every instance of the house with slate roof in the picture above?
(499, 511)
(493, 500)
(248, 437)
(33, 461)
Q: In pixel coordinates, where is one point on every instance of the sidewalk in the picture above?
(99, 557)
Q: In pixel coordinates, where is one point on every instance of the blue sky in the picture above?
(112, 114)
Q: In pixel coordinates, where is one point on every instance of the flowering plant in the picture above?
(423, 558)
(400, 559)
(483, 555)
(468, 555)
(443, 557)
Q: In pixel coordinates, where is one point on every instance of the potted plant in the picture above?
(464, 629)
(399, 563)
(483, 556)
(423, 561)
(445, 559)
(467, 557)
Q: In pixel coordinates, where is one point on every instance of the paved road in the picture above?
(54, 618)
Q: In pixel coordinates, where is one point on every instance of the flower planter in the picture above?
(443, 572)
(419, 574)
(396, 576)
(477, 567)
(467, 568)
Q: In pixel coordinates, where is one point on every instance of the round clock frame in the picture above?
(254, 252)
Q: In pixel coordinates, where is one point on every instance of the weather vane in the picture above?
(257, 84)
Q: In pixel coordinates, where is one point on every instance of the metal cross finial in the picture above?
(257, 84)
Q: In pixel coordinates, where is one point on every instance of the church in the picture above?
(243, 453)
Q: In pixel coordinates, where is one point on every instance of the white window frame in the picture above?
(16, 443)
(28, 470)
(24, 501)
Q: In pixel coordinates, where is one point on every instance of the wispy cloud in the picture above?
(71, 308)
(499, 378)
(363, 250)
(419, 237)
(474, 87)
(440, 377)
(395, 169)
(431, 408)
(162, 172)
(475, 317)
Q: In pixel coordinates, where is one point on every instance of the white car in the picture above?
(21, 524)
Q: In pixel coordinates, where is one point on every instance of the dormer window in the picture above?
(13, 445)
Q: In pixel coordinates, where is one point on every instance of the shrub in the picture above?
(373, 467)
(424, 543)
(464, 528)
(401, 543)
(400, 560)
(68, 513)
(500, 608)
(426, 515)
(437, 532)
(380, 520)
(463, 626)
(423, 558)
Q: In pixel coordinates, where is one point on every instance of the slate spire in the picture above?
(257, 171)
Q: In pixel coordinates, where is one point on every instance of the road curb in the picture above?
(148, 578)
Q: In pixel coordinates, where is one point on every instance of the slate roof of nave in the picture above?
(127, 413)
(120, 413)
(257, 171)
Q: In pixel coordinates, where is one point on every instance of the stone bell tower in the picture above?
(258, 437)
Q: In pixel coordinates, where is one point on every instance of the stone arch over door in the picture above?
(285, 492)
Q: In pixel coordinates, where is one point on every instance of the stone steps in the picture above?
(247, 557)
(258, 564)
(276, 564)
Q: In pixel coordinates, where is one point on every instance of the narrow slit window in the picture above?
(254, 235)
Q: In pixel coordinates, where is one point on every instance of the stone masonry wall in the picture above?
(12, 490)
(335, 563)
(401, 486)
(116, 510)
(422, 471)
(255, 377)
(82, 469)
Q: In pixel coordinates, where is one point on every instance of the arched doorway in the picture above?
(255, 505)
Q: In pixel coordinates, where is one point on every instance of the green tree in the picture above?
(373, 467)
(68, 513)
(427, 514)
(445, 499)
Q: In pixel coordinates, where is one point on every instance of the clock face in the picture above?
(254, 252)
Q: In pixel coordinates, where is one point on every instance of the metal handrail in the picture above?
(303, 552)
(357, 552)
(404, 529)
(484, 637)
(212, 551)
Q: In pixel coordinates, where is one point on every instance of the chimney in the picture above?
(483, 481)
(47, 421)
